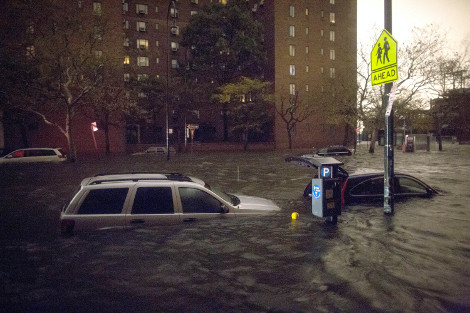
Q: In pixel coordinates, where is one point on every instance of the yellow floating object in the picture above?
(295, 215)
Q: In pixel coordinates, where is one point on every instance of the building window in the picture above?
(174, 46)
(141, 9)
(141, 26)
(306, 49)
(292, 89)
(322, 70)
(291, 50)
(332, 35)
(193, 13)
(321, 33)
(292, 31)
(157, 43)
(125, 7)
(98, 53)
(175, 30)
(292, 70)
(306, 12)
(157, 26)
(30, 52)
(142, 61)
(156, 9)
(126, 59)
(332, 55)
(125, 24)
(174, 63)
(306, 68)
(127, 77)
(332, 18)
(332, 1)
(306, 88)
(306, 30)
(79, 2)
(97, 32)
(97, 8)
(158, 60)
(142, 43)
(321, 51)
(173, 12)
(291, 11)
(142, 77)
(322, 14)
(126, 42)
(332, 72)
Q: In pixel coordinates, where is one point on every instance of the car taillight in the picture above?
(66, 226)
(343, 190)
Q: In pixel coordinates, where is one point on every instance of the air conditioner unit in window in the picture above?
(174, 30)
(195, 1)
(142, 29)
(141, 12)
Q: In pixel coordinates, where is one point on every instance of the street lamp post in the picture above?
(171, 5)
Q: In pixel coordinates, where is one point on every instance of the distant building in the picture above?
(311, 49)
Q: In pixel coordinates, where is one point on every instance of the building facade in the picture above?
(311, 50)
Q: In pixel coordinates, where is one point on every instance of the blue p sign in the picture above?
(325, 172)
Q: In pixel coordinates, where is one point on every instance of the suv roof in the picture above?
(137, 176)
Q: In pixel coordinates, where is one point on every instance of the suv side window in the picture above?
(153, 200)
(198, 201)
(104, 201)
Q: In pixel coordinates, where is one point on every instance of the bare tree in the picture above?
(293, 111)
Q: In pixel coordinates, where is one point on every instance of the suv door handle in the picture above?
(137, 221)
(189, 219)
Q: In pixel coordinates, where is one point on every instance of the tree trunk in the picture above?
(72, 156)
(373, 140)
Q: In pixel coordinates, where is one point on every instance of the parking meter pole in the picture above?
(388, 147)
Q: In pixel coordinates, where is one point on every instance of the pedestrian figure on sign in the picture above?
(379, 54)
(386, 48)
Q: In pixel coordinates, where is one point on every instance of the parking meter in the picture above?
(326, 189)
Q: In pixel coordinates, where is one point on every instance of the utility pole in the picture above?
(388, 146)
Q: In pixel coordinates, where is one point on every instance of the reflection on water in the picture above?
(414, 261)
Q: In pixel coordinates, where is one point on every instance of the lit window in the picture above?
(332, 18)
(173, 12)
(141, 26)
(306, 11)
(306, 50)
(306, 69)
(174, 63)
(332, 35)
(332, 1)
(292, 70)
(30, 52)
(158, 60)
(126, 42)
(97, 8)
(292, 89)
(125, 6)
(306, 88)
(321, 51)
(141, 9)
(291, 31)
(157, 43)
(332, 55)
(156, 26)
(332, 72)
(321, 33)
(291, 50)
(306, 30)
(142, 43)
(126, 60)
(156, 9)
(142, 61)
(174, 46)
(193, 13)
(142, 77)
(291, 11)
(125, 24)
(127, 77)
(98, 53)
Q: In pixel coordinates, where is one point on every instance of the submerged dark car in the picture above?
(334, 151)
(369, 186)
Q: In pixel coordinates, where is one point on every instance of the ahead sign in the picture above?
(383, 60)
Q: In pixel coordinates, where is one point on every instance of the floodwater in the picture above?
(414, 261)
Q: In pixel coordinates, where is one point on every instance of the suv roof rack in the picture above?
(134, 176)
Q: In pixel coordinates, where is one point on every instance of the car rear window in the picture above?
(33, 153)
(153, 200)
(104, 201)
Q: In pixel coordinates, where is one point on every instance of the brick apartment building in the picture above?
(311, 50)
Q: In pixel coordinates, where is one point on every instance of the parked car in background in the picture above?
(368, 185)
(34, 155)
(333, 151)
(159, 150)
(149, 199)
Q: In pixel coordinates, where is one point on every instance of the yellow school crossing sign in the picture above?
(383, 60)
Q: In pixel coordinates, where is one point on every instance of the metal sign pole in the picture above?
(388, 146)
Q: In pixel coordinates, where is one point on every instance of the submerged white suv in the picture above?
(126, 200)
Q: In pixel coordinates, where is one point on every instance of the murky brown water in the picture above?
(414, 261)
